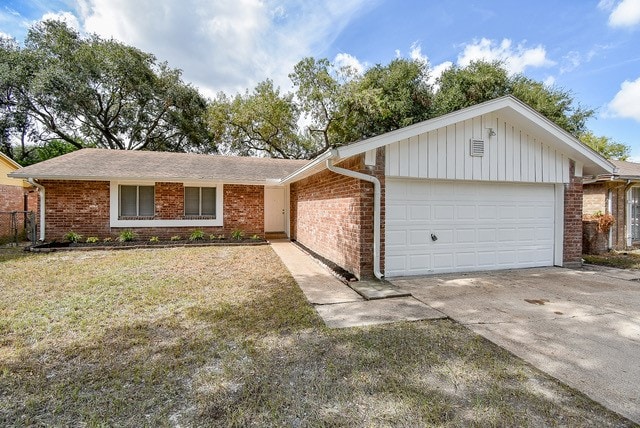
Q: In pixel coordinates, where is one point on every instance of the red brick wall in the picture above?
(332, 215)
(83, 206)
(79, 206)
(169, 199)
(572, 254)
(244, 209)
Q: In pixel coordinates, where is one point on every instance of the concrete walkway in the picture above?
(340, 306)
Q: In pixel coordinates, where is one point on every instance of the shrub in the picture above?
(154, 239)
(126, 236)
(72, 236)
(196, 235)
(175, 238)
(237, 234)
(107, 239)
(256, 237)
(92, 239)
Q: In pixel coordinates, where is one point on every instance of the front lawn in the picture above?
(222, 336)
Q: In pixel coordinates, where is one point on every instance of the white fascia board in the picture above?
(574, 148)
(422, 127)
(311, 168)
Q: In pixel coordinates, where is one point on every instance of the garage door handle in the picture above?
(434, 237)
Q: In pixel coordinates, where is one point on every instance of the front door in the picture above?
(274, 218)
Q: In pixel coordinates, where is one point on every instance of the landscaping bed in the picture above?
(617, 259)
(128, 239)
(223, 336)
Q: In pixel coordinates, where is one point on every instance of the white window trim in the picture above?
(114, 201)
(199, 200)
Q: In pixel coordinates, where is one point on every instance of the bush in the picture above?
(154, 239)
(175, 238)
(72, 236)
(126, 236)
(92, 239)
(196, 235)
(237, 234)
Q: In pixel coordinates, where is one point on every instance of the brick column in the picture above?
(572, 256)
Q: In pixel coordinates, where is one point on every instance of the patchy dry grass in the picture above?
(623, 260)
(223, 337)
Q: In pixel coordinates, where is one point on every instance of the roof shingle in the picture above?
(102, 164)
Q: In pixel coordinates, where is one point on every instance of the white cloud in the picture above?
(415, 53)
(437, 71)
(226, 45)
(516, 58)
(66, 17)
(549, 81)
(625, 103)
(624, 14)
(347, 60)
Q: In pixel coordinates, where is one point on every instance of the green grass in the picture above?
(623, 260)
(222, 336)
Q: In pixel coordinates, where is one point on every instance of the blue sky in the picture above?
(591, 48)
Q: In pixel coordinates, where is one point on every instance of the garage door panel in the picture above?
(478, 226)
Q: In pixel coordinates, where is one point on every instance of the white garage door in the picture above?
(456, 226)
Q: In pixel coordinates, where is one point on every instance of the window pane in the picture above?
(128, 201)
(209, 201)
(192, 201)
(146, 203)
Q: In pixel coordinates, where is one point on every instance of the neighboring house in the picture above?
(618, 194)
(492, 186)
(15, 195)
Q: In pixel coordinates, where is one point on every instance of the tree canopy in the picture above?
(68, 91)
(88, 91)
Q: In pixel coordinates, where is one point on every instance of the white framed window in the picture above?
(136, 201)
(119, 210)
(200, 201)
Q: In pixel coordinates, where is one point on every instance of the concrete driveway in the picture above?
(580, 326)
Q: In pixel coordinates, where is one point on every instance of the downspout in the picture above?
(41, 192)
(376, 207)
(610, 211)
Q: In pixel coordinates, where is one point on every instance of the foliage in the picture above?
(256, 237)
(331, 106)
(154, 239)
(237, 234)
(263, 122)
(92, 239)
(107, 239)
(605, 220)
(127, 236)
(88, 91)
(461, 87)
(606, 146)
(175, 238)
(481, 81)
(196, 235)
(33, 153)
(72, 236)
(216, 237)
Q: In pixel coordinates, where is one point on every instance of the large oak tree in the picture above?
(88, 91)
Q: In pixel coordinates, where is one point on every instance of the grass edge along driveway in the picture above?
(223, 337)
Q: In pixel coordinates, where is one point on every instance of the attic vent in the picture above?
(477, 147)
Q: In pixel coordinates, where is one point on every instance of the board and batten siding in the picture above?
(512, 154)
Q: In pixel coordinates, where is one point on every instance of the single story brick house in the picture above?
(618, 194)
(492, 186)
